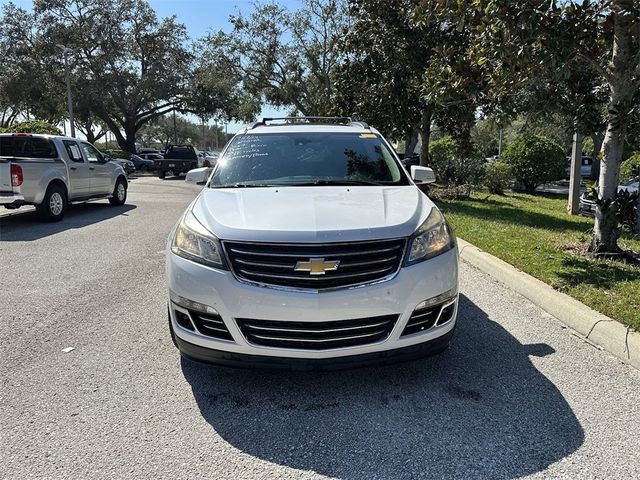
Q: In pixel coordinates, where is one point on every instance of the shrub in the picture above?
(497, 177)
(119, 154)
(34, 126)
(452, 168)
(535, 160)
(630, 168)
(442, 153)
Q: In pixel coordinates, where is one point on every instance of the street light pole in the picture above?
(65, 51)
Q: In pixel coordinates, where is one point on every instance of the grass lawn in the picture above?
(534, 233)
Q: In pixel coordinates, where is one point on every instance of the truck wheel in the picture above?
(119, 193)
(161, 174)
(53, 205)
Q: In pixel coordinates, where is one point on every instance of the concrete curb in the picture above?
(595, 327)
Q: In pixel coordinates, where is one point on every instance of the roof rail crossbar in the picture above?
(310, 119)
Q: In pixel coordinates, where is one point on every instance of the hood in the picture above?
(312, 214)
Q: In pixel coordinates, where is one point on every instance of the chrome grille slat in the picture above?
(311, 330)
(316, 278)
(273, 264)
(316, 340)
(316, 335)
(310, 253)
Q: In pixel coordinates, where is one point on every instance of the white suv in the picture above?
(310, 246)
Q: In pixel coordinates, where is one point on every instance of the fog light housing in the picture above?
(191, 305)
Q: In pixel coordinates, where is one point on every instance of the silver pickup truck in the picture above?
(51, 172)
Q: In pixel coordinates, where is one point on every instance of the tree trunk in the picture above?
(597, 138)
(605, 231)
(425, 133)
(130, 135)
(411, 142)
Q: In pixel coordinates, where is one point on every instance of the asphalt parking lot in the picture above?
(516, 394)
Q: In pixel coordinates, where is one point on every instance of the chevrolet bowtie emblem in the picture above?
(317, 266)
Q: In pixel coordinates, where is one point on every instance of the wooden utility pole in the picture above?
(574, 175)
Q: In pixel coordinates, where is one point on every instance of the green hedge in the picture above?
(630, 168)
(535, 160)
(32, 126)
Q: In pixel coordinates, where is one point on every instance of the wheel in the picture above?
(119, 193)
(161, 174)
(53, 205)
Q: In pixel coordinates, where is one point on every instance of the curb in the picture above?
(592, 326)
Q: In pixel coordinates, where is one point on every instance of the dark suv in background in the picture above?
(177, 159)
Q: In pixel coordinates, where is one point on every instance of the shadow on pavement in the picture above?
(25, 226)
(480, 410)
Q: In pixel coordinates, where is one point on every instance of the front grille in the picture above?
(274, 264)
(424, 318)
(321, 335)
(210, 325)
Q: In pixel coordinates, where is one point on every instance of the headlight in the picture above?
(192, 241)
(431, 239)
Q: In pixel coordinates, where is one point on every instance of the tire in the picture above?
(161, 174)
(53, 205)
(119, 193)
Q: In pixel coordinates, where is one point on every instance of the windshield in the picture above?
(307, 158)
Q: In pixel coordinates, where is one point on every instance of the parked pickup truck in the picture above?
(177, 159)
(51, 172)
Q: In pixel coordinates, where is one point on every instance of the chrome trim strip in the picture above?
(316, 278)
(301, 330)
(314, 340)
(309, 254)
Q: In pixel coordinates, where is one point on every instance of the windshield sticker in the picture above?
(368, 135)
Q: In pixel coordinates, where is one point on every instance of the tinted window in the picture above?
(181, 152)
(301, 158)
(27, 147)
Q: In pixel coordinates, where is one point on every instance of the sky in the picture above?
(200, 17)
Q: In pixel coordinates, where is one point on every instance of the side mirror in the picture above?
(198, 176)
(422, 174)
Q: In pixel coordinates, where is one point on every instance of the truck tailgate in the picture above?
(5, 176)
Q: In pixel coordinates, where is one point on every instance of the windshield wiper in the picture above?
(334, 183)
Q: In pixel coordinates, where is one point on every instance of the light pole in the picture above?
(66, 51)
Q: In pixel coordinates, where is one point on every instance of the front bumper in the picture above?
(233, 300)
(240, 360)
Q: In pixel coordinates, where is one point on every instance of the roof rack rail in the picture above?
(310, 119)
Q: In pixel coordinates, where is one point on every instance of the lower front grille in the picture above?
(210, 325)
(321, 335)
(425, 318)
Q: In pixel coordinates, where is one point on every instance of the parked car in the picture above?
(207, 159)
(143, 164)
(411, 160)
(127, 165)
(177, 159)
(51, 172)
(146, 150)
(310, 246)
(585, 167)
(587, 205)
(151, 156)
